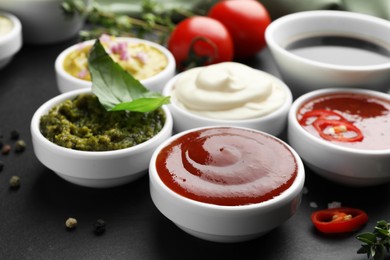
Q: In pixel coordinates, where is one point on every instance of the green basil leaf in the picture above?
(142, 104)
(368, 238)
(113, 85)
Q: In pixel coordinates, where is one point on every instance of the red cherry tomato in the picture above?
(339, 220)
(200, 40)
(246, 20)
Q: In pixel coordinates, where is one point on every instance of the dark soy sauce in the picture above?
(340, 50)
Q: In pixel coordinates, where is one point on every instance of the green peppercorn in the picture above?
(14, 182)
(71, 223)
(99, 227)
(20, 146)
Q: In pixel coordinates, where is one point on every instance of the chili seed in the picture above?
(99, 226)
(6, 149)
(20, 146)
(71, 223)
(15, 135)
(14, 182)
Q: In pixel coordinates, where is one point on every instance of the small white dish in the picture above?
(100, 169)
(343, 164)
(225, 223)
(43, 21)
(273, 122)
(303, 73)
(67, 82)
(11, 40)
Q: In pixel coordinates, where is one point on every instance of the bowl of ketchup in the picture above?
(226, 184)
(343, 134)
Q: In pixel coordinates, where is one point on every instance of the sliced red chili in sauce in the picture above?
(337, 130)
(320, 114)
(339, 220)
(332, 126)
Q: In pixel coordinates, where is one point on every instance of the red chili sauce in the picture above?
(227, 166)
(352, 120)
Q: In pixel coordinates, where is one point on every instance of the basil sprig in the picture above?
(117, 89)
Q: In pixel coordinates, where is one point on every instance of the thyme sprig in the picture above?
(153, 20)
(377, 242)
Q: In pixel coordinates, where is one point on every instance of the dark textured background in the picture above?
(32, 217)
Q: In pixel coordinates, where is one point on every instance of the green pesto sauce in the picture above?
(84, 124)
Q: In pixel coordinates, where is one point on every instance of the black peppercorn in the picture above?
(15, 135)
(99, 226)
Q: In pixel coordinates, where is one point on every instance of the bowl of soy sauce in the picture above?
(331, 49)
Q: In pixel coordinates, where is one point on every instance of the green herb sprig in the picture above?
(153, 19)
(377, 242)
(116, 89)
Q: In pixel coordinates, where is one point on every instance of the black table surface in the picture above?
(32, 217)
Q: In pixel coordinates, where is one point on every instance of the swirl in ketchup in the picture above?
(349, 119)
(227, 166)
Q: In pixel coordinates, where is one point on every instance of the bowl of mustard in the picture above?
(150, 63)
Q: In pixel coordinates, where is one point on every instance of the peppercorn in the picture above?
(15, 135)
(99, 227)
(14, 182)
(6, 149)
(71, 223)
(20, 146)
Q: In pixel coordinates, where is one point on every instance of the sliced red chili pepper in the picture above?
(339, 220)
(320, 114)
(337, 130)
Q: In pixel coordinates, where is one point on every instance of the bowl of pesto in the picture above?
(74, 136)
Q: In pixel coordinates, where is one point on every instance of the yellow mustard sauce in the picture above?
(6, 25)
(141, 60)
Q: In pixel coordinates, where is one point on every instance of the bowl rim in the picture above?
(295, 188)
(59, 68)
(14, 32)
(323, 14)
(87, 154)
(274, 114)
(293, 122)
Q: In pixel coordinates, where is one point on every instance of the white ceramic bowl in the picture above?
(94, 169)
(67, 82)
(220, 223)
(303, 74)
(43, 20)
(345, 165)
(273, 123)
(10, 42)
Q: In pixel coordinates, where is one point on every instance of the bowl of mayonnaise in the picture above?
(228, 94)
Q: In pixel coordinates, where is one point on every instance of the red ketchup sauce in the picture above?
(353, 120)
(227, 166)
